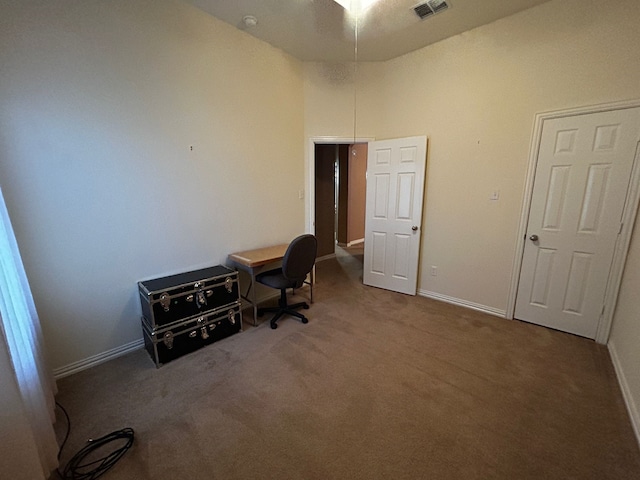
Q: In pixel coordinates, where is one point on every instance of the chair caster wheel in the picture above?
(304, 320)
(274, 326)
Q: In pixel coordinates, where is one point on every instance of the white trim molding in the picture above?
(95, 360)
(632, 408)
(355, 242)
(463, 303)
(326, 257)
(630, 209)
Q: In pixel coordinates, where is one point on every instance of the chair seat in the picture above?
(275, 279)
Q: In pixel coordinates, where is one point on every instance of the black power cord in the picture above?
(76, 469)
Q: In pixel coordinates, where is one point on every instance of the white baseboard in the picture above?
(326, 257)
(632, 408)
(463, 303)
(94, 360)
(355, 242)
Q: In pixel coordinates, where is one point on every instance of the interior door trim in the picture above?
(628, 216)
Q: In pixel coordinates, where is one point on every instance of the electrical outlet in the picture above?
(301, 193)
(434, 270)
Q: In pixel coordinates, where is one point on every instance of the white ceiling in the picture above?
(321, 30)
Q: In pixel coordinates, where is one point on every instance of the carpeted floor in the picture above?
(377, 385)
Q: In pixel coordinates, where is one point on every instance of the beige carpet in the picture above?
(377, 385)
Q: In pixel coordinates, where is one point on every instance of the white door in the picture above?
(395, 186)
(581, 182)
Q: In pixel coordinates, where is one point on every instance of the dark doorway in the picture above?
(340, 181)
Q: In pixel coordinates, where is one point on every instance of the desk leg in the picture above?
(252, 288)
(254, 301)
(312, 279)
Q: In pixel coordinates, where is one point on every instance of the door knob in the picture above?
(414, 228)
(533, 238)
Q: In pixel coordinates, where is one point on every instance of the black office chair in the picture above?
(297, 262)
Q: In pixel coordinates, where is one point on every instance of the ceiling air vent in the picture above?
(430, 7)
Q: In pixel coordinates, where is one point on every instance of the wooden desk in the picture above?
(253, 262)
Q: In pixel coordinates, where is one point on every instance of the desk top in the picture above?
(260, 256)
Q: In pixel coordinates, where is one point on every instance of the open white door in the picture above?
(395, 187)
(580, 187)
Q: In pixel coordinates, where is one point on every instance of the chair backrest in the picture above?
(299, 258)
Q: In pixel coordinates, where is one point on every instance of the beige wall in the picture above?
(99, 104)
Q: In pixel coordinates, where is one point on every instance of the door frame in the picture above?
(628, 216)
(309, 165)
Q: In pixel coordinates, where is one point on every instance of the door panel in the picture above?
(395, 184)
(581, 182)
(542, 277)
(381, 194)
(577, 283)
(378, 252)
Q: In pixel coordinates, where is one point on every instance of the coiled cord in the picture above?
(77, 469)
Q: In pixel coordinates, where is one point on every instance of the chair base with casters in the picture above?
(284, 308)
